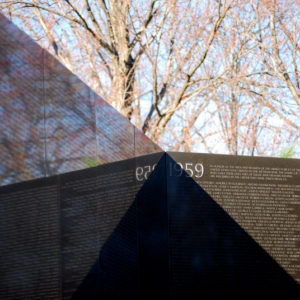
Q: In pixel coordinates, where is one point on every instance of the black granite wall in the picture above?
(199, 226)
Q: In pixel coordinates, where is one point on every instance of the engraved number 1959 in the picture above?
(191, 169)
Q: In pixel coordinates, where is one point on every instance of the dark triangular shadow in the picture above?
(211, 256)
(176, 242)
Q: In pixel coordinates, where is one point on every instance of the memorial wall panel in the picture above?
(74, 230)
(234, 226)
(117, 271)
(93, 203)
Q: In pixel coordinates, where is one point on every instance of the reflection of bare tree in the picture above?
(21, 111)
(48, 116)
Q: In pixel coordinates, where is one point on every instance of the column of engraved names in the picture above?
(93, 202)
(30, 258)
(265, 201)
